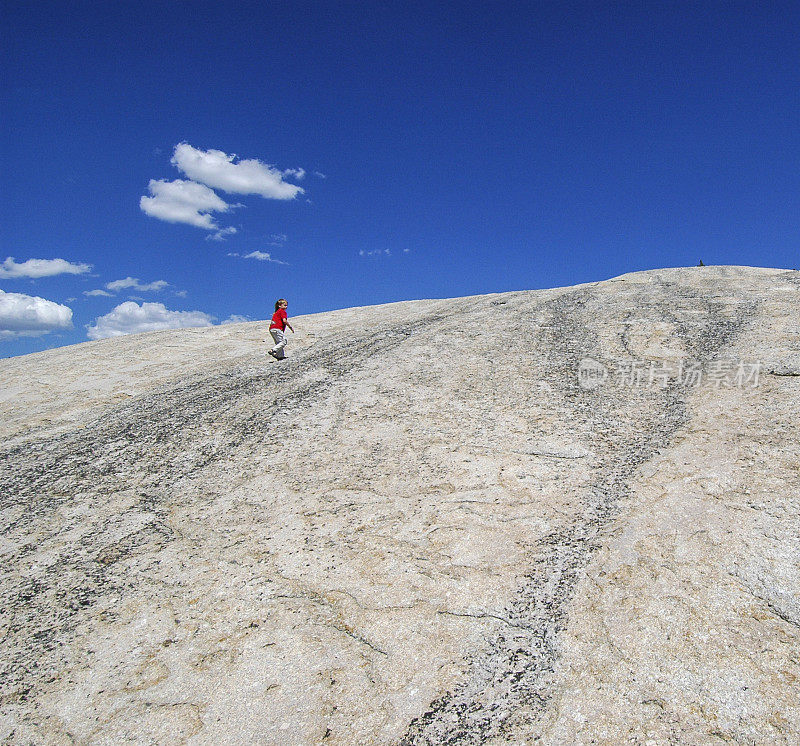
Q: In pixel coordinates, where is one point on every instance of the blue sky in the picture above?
(440, 149)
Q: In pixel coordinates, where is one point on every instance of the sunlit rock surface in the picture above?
(567, 516)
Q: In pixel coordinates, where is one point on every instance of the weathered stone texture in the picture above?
(419, 529)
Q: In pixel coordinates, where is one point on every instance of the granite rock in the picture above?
(565, 516)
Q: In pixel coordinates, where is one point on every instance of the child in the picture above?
(278, 328)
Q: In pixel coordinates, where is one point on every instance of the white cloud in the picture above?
(320, 175)
(236, 318)
(220, 234)
(133, 283)
(30, 316)
(131, 318)
(182, 201)
(375, 252)
(262, 257)
(222, 171)
(41, 268)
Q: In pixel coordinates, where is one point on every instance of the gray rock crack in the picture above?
(144, 448)
(513, 672)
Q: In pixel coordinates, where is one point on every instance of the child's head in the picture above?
(281, 302)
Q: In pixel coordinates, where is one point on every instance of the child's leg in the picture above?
(280, 342)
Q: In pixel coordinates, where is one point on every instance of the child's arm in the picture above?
(289, 325)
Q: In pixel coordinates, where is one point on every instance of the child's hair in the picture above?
(278, 303)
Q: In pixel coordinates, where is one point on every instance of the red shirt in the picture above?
(279, 319)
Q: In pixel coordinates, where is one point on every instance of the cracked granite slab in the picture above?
(424, 527)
